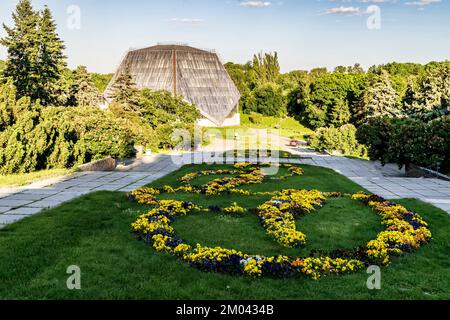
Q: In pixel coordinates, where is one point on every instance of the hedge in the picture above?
(338, 140)
(408, 141)
(34, 138)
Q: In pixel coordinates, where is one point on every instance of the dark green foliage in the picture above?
(432, 95)
(258, 80)
(2, 67)
(239, 74)
(408, 141)
(328, 99)
(34, 138)
(379, 100)
(155, 115)
(340, 140)
(160, 107)
(314, 116)
(269, 100)
(165, 114)
(399, 69)
(35, 54)
(266, 67)
(256, 118)
(125, 91)
(84, 91)
(101, 80)
(339, 114)
(8, 108)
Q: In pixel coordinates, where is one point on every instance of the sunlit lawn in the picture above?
(21, 179)
(93, 232)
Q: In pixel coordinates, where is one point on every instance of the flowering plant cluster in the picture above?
(247, 174)
(405, 231)
(316, 267)
(155, 228)
(279, 214)
(234, 208)
(193, 175)
(145, 195)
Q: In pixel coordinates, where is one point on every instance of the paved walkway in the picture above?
(19, 203)
(388, 181)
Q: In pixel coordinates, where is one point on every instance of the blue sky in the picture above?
(305, 33)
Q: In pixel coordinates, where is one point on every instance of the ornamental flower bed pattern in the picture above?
(405, 230)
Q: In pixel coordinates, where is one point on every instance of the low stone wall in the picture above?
(413, 171)
(108, 164)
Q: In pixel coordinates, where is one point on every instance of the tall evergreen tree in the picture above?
(339, 114)
(35, 53)
(51, 58)
(124, 91)
(379, 100)
(22, 46)
(409, 97)
(84, 90)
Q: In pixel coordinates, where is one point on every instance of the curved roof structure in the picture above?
(197, 75)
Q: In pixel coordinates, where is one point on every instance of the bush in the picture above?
(314, 116)
(267, 99)
(256, 118)
(56, 137)
(338, 140)
(408, 141)
(160, 107)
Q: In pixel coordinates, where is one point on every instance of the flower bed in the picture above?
(405, 232)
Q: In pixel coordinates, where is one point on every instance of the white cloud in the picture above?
(255, 4)
(343, 10)
(186, 20)
(422, 3)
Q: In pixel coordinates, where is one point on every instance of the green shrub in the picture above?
(256, 118)
(314, 116)
(408, 141)
(267, 99)
(339, 141)
(56, 137)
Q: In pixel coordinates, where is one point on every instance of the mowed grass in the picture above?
(93, 232)
(286, 127)
(21, 179)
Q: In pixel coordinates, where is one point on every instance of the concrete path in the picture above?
(386, 181)
(19, 203)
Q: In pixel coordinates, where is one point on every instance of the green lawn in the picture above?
(288, 127)
(93, 232)
(27, 178)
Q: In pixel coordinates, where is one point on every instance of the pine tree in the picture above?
(84, 90)
(124, 91)
(22, 46)
(409, 98)
(340, 114)
(430, 93)
(35, 54)
(51, 58)
(379, 100)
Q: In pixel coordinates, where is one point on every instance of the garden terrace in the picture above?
(95, 232)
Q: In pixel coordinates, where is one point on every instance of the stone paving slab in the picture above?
(27, 197)
(45, 204)
(7, 218)
(4, 209)
(24, 211)
(26, 201)
(6, 202)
